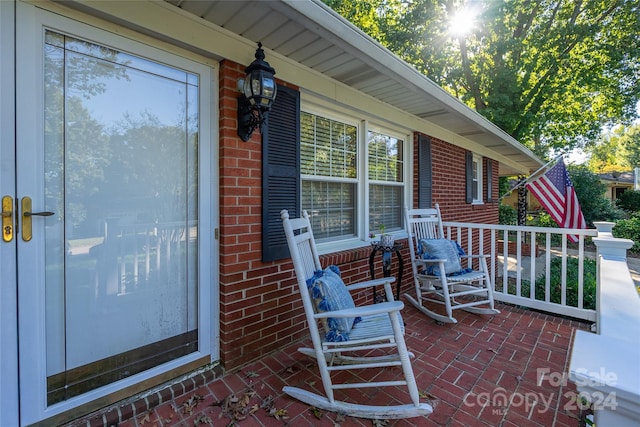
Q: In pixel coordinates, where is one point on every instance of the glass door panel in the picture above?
(120, 156)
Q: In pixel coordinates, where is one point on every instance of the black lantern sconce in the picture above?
(259, 92)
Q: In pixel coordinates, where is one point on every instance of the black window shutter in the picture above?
(280, 171)
(424, 172)
(469, 176)
(489, 175)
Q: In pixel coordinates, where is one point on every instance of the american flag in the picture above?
(556, 194)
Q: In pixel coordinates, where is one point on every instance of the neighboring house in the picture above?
(164, 251)
(619, 182)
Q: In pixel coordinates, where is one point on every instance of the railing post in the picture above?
(604, 366)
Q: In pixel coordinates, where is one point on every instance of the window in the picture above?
(386, 181)
(352, 180)
(474, 178)
(328, 165)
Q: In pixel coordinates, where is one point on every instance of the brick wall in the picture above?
(448, 180)
(260, 309)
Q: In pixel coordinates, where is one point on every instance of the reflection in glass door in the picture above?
(120, 157)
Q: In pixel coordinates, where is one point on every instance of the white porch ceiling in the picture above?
(308, 32)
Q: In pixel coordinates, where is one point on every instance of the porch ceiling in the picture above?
(313, 35)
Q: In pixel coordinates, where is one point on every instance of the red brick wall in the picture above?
(448, 180)
(260, 308)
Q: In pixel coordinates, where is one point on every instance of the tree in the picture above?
(616, 150)
(591, 195)
(551, 73)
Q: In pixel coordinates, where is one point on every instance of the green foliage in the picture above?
(629, 201)
(550, 73)
(503, 185)
(507, 215)
(591, 195)
(616, 150)
(555, 283)
(629, 229)
(543, 219)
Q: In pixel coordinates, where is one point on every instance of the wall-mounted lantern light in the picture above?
(259, 92)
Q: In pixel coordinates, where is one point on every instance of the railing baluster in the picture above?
(581, 272)
(521, 260)
(494, 258)
(532, 269)
(547, 270)
(563, 274)
(505, 263)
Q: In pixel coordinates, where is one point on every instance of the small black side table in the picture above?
(387, 251)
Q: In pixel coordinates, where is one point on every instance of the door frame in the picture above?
(9, 389)
(31, 350)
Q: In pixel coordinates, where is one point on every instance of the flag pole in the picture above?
(521, 183)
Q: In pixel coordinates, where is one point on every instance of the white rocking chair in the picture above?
(438, 274)
(381, 327)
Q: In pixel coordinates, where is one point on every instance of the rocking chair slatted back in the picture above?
(433, 283)
(377, 341)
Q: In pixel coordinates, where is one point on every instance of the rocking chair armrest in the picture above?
(369, 283)
(368, 310)
(429, 261)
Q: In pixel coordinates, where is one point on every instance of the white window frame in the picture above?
(476, 178)
(406, 143)
(363, 126)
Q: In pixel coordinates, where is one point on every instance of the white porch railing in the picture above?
(606, 366)
(521, 272)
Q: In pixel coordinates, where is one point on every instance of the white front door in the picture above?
(113, 212)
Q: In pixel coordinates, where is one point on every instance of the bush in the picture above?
(543, 219)
(629, 201)
(590, 191)
(629, 229)
(589, 295)
(507, 215)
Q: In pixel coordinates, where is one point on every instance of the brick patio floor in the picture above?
(482, 371)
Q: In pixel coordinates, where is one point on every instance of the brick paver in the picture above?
(482, 371)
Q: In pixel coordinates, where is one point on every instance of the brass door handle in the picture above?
(26, 218)
(7, 218)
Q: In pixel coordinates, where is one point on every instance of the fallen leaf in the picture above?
(267, 403)
(252, 374)
(202, 419)
(278, 413)
(316, 412)
(145, 419)
(191, 404)
(426, 395)
(288, 370)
